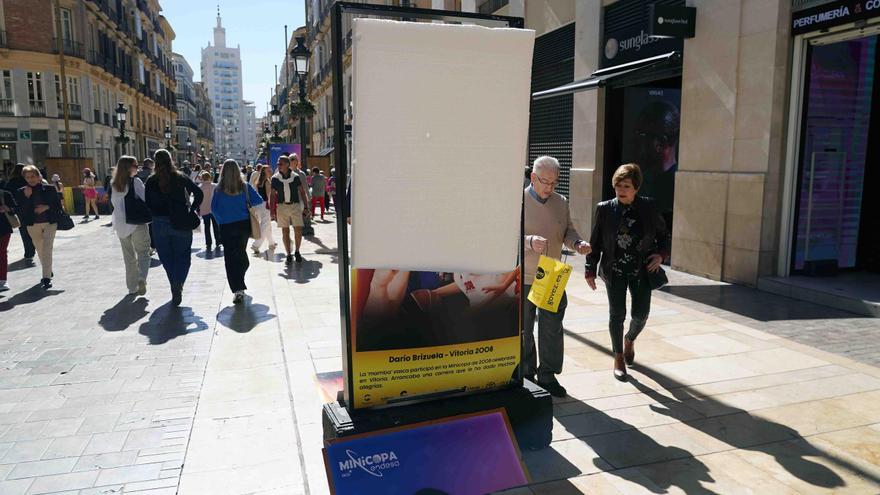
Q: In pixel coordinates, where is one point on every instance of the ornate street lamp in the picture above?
(276, 116)
(301, 56)
(189, 145)
(122, 139)
(167, 136)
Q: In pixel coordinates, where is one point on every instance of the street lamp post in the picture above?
(122, 139)
(301, 56)
(167, 136)
(202, 152)
(276, 116)
(189, 145)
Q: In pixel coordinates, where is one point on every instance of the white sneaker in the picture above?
(255, 249)
(238, 297)
(3, 286)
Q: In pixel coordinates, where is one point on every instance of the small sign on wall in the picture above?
(24, 135)
(672, 22)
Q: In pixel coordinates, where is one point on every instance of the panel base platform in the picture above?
(529, 409)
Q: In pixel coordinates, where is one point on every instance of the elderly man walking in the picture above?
(547, 227)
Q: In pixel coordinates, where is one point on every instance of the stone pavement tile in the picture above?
(28, 450)
(62, 427)
(24, 431)
(858, 446)
(15, 487)
(815, 417)
(128, 474)
(101, 423)
(72, 446)
(865, 405)
(280, 474)
(104, 461)
(60, 413)
(563, 459)
(42, 468)
(106, 442)
(708, 344)
(655, 444)
(806, 469)
(59, 482)
(144, 438)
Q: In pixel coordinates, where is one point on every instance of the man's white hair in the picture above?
(546, 163)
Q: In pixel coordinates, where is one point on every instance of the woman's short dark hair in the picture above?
(629, 171)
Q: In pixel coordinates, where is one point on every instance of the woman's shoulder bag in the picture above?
(136, 210)
(182, 216)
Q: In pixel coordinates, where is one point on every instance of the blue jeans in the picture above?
(173, 247)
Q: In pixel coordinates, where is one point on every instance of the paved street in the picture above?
(734, 390)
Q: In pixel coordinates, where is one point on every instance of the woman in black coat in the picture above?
(38, 210)
(16, 182)
(168, 197)
(630, 242)
(7, 207)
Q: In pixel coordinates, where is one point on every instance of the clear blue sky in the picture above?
(255, 25)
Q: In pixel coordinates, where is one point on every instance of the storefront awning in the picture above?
(326, 151)
(603, 76)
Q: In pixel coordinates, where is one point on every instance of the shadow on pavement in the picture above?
(169, 322)
(29, 296)
(754, 304)
(740, 429)
(154, 262)
(301, 273)
(245, 317)
(21, 264)
(123, 314)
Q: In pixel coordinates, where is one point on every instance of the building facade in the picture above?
(250, 122)
(754, 134)
(288, 94)
(221, 74)
(108, 53)
(186, 129)
(205, 122)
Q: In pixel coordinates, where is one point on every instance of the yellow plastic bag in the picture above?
(551, 277)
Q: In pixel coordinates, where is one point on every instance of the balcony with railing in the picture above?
(187, 123)
(74, 110)
(38, 108)
(70, 47)
(7, 106)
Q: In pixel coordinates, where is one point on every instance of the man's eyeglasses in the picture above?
(546, 182)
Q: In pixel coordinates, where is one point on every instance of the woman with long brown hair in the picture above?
(230, 208)
(168, 197)
(131, 223)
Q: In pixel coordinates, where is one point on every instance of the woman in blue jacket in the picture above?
(230, 208)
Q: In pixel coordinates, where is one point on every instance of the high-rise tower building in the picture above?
(221, 73)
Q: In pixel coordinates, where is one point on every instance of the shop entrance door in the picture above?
(837, 159)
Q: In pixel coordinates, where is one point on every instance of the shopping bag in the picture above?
(551, 277)
(252, 215)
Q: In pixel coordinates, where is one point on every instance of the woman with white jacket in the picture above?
(131, 226)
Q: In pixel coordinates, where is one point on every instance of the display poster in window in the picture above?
(463, 455)
(419, 334)
(651, 119)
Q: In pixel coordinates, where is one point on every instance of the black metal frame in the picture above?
(341, 157)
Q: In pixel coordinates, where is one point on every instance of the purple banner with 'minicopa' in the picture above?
(465, 455)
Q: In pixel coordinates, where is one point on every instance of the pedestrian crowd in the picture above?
(157, 206)
(155, 209)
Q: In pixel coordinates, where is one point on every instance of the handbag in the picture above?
(63, 221)
(252, 214)
(136, 210)
(657, 279)
(551, 277)
(12, 218)
(182, 217)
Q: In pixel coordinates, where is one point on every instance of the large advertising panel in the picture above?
(434, 286)
(419, 334)
(478, 455)
(278, 149)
